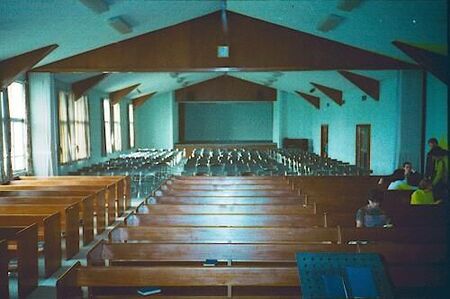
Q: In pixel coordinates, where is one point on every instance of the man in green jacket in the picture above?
(440, 175)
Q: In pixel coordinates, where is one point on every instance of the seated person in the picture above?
(424, 195)
(405, 173)
(372, 215)
(402, 182)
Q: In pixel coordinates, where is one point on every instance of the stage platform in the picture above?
(253, 145)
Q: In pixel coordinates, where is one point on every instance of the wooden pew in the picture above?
(174, 209)
(99, 200)
(122, 185)
(231, 193)
(412, 265)
(397, 205)
(221, 200)
(223, 235)
(227, 180)
(143, 254)
(24, 240)
(222, 187)
(399, 235)
(109, 198)
(69, 285)
(4, 260)
(335, 185)
(86, 215)
(69, 221)
(225, 220)
(49, 231)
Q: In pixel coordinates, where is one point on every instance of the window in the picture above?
(111, 115)
(324, 141)
(131, 124)
(74, 142)
(107, 125)
(18, 125)
(363, 146)
(117, 138)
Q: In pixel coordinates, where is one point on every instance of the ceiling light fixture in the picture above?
(277, 74)
(98, 6)
(348, 5)
(120, 25)
(330, 23)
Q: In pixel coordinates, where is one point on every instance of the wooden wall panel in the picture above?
(226, 88)
(254, 45)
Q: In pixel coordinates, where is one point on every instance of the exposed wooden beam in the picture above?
(368, 85)
(81, 87)
(313, 100)
(225, 88)
(254, 45)
(139, 101)
(13, 67)
(332, 93)
(117, 95)
(435, 63)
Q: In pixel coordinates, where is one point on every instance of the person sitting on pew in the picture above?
(402, 182)
(424, 195)
(407, 175)
(372, 215)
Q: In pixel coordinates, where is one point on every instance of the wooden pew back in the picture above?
(26, 239)
(49, 230)
(223, 235)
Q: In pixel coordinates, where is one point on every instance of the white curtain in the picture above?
(43, 121)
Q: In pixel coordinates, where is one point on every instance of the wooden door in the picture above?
(363, 146)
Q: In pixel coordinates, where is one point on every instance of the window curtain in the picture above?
(81, 133)
(28, 114)
(3, 178)
(64, 132)
(6, 137)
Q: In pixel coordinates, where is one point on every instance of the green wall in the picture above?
(156, 122)
(437, 110)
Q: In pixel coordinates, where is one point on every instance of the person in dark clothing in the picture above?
(435, 149)
(406, 173)
(372, 215)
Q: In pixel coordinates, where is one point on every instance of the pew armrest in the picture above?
(66, 285)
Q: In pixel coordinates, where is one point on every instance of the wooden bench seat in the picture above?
(122, 185)
(69, 285)
(108, 195)
(231, 193)
(4, 285)
(139, 253)
(223, 235)
(26, 241)
(111, 192)
(232, 200)
(86, 215)
(227, 180)
(404, 215)
(49, 231)
(222, 187)
(412, 235)
(174, 209)
(69, 221)
(225, 220)
(98, 203)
